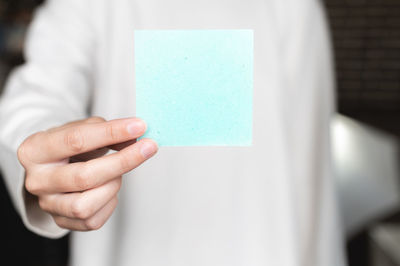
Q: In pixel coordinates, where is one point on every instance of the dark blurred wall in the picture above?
(366, 36)
(20, 246)
(366, 39)
(14, 18)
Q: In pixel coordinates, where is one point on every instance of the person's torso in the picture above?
(213, 205)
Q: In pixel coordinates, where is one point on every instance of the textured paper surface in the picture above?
(195, 87)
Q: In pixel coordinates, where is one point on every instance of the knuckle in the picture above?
(126, 161)
(79, 210)
(32, 185)
(25, 147)
(21, 152)
(58, 221)
(83, 180)
(43, 203)
(73, 139)
(93, 224)
(112, 132)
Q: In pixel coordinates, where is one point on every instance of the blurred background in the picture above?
(365, 132)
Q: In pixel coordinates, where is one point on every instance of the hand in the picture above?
(67, 169)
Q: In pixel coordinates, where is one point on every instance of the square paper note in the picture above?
(195, 87)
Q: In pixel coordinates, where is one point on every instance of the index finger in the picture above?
(66, 142)
(81, 176)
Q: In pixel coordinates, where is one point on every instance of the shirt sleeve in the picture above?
(308, 109)
(50, 89)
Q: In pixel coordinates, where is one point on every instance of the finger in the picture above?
(93, 223)
(80, 205)
(86, 175)
(67, 142)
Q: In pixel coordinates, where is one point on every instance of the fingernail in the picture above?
(136, 127)
(148, 148)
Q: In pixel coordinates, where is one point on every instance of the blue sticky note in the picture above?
(195, 87)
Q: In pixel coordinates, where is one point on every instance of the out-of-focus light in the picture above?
(365, 162)
(345, 146)
(341, 141)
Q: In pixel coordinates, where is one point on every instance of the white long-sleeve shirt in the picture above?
(271, 203)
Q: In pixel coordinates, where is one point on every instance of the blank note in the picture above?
(195, 87)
